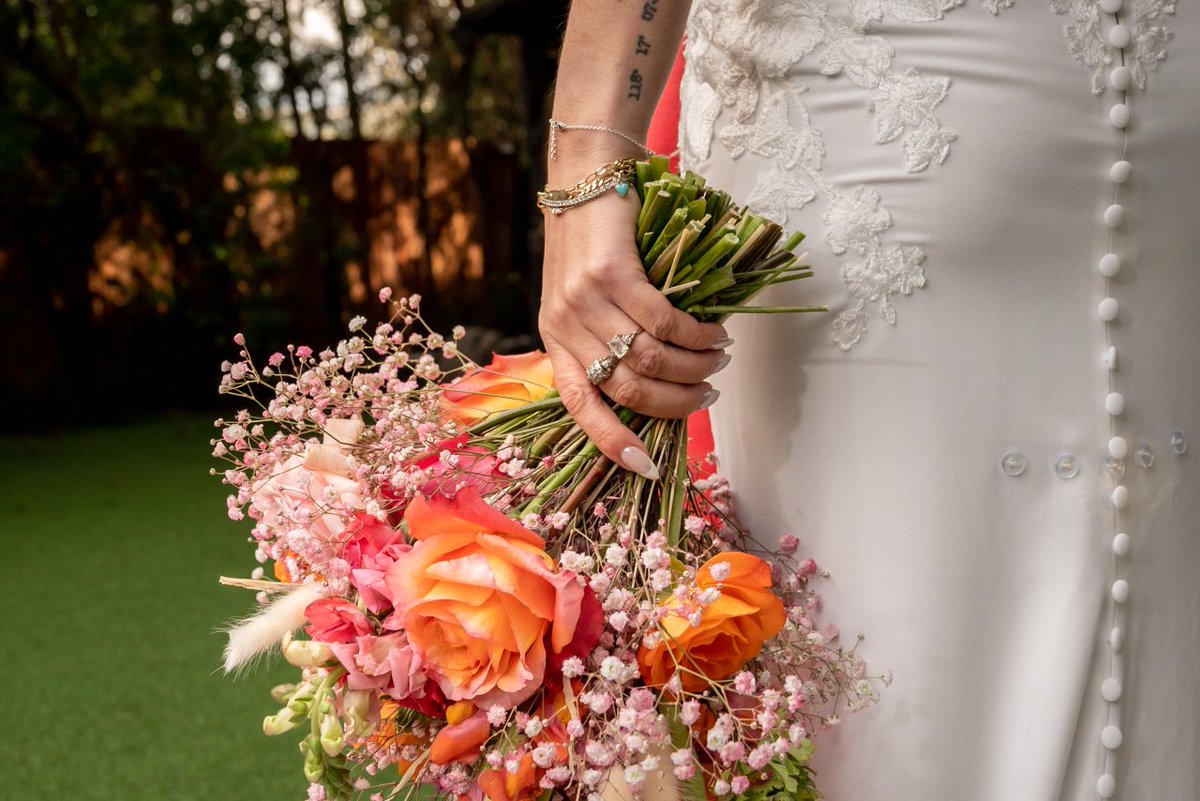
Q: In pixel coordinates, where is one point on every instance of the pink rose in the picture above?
(370, 543)
(335, 620)
(384, 663)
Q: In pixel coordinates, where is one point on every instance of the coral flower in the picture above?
(461, 740)
(507, 383)
(484, 605)
(732, 629)
(523, 784)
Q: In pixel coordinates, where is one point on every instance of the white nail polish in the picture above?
(721, 365)
(639, 462)
(710, 398)
(721, 344)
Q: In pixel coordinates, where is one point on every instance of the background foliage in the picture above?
(172, 171)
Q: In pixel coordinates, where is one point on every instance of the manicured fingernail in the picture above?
(710, 398)
(721, 344)
(639, 462)
(721, 365)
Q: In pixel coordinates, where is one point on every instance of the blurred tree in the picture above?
(140, 143)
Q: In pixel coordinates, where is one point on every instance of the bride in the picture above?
(986, 440)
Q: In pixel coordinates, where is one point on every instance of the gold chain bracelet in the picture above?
(616, 175)
(557, 126)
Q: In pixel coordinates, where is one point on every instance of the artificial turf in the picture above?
(112, 540)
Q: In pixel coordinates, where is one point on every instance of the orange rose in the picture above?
(484, 605)
(732, 629)
(507, 383)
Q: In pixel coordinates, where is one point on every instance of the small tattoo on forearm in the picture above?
(635, 85)
(649, 9)
(643, 45)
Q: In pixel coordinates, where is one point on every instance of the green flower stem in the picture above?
(655, 206)
(754, 309)
(793, 241)
(676, 491)
(675, 254)
(675, 224)
(485, 425)
(713, 282)
(543, 444)
(791, 268)
(560, 477)
(720, 249)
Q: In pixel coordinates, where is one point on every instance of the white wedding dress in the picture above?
(985, 440)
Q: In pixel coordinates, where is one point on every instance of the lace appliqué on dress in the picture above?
(1091, 48)
(739, 56)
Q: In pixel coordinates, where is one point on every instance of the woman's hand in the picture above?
(594, 287)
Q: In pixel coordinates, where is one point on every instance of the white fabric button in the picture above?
(1120, 171)
(1110, 690)
(1116, 638)
(1109, 309)
(1110, 6)
(1111, 737)
(1114, 403)
(1110, 357)
(1120, 497)
(1119, 78)
(1120, 591)
(1106, 786)
(1109, 265)
(1120, 544)
(1119, 115)
(1114, 215)
(1119, 35)
(1118, 447)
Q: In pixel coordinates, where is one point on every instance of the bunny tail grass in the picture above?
(265, 628)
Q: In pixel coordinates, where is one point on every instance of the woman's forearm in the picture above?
(615, 60)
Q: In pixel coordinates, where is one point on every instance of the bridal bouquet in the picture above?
(480, 604)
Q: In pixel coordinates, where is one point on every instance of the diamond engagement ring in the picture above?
(599, 370)
(620, 344)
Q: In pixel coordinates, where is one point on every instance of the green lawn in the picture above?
(112, 543)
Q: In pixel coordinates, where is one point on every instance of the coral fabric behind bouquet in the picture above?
(480, 604)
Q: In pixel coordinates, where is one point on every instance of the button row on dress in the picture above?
(1119, 117)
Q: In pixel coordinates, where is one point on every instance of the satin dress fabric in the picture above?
(985, 584)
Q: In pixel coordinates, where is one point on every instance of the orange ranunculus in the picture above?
(387, 736)
(507, 383)
(524, 784)
(484, 605)
(498, 784)
(732, 629)
(461, 739)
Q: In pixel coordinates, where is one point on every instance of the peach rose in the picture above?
(507, 383)
(732, 629)
(483, 603)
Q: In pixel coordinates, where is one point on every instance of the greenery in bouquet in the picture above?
(482, 605)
